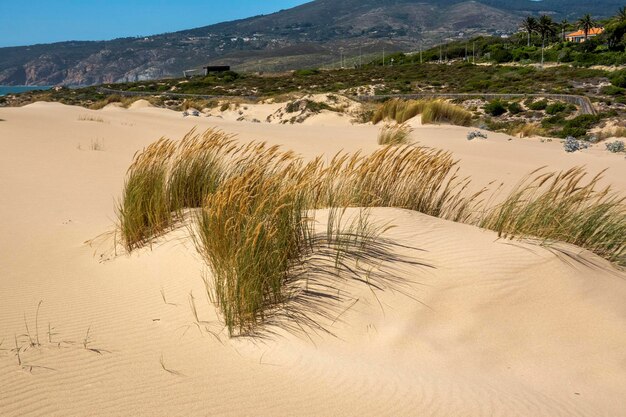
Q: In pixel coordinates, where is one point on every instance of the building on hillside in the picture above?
(579, 36)
(215, 68)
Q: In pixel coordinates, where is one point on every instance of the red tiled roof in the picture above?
(592, 31)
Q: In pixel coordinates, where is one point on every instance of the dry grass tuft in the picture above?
(394, 134)
(526, 130)
(617, 132)
(411, 177)
(562, 207)
(251, 231)
(197, 168)
(144, 211)
(432, 111)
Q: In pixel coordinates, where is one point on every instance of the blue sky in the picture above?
(43, 21)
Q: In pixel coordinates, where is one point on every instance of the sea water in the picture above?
(10, 89)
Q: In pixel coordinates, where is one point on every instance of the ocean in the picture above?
(8, 89)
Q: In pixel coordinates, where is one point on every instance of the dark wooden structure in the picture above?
(215, 68)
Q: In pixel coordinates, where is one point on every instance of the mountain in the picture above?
(313, 34)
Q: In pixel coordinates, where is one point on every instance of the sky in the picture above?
(29, 22)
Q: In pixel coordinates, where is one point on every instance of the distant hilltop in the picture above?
(311, 35)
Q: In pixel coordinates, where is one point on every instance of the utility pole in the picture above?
(383, 56)
(465, 52)
(360, 56)
(474, 53)
(440, 54)
(421, 47)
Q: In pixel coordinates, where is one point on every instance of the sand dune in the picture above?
(490, 328)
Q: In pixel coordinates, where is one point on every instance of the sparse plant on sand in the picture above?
(397, 134)
(89, 118)
(562, 207)
(476, 134)
(94, 145)
(526, 130)
(571, 144)
(615, 147)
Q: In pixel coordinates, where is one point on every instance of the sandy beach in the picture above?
(491, 327)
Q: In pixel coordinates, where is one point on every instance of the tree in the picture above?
(564, 25)
(620, 17)
(529, 25)
(546, 27)
(586, 23)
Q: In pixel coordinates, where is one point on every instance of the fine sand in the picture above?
(488, 328)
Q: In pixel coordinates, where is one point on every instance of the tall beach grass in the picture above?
(394, 134)
(562, 206)
(254, 205)
(144, 211)
(432, 111)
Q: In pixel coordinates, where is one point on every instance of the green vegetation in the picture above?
(515, 108)
(394, 134)
(496, 108)
(538, 105)
(578, 126)
(555, 108)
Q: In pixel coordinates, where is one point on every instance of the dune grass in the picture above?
(525, 130)
(145, 211)
(440, 111)
(563, 207)
(432, 111)
(394, 134)
(251, 231)
(253, 210)
(197, 168)
(411, 177)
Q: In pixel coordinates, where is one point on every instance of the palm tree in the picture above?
(546, 27)
(564, 24)
(529, 25)
(621, 15)
(586, 23)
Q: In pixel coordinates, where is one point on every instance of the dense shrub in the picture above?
(495, 108)
(579, 126)
(306, 72)
(515, 108)
(538, 105)
(611, 90)
(618, 78)
(555, 108)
